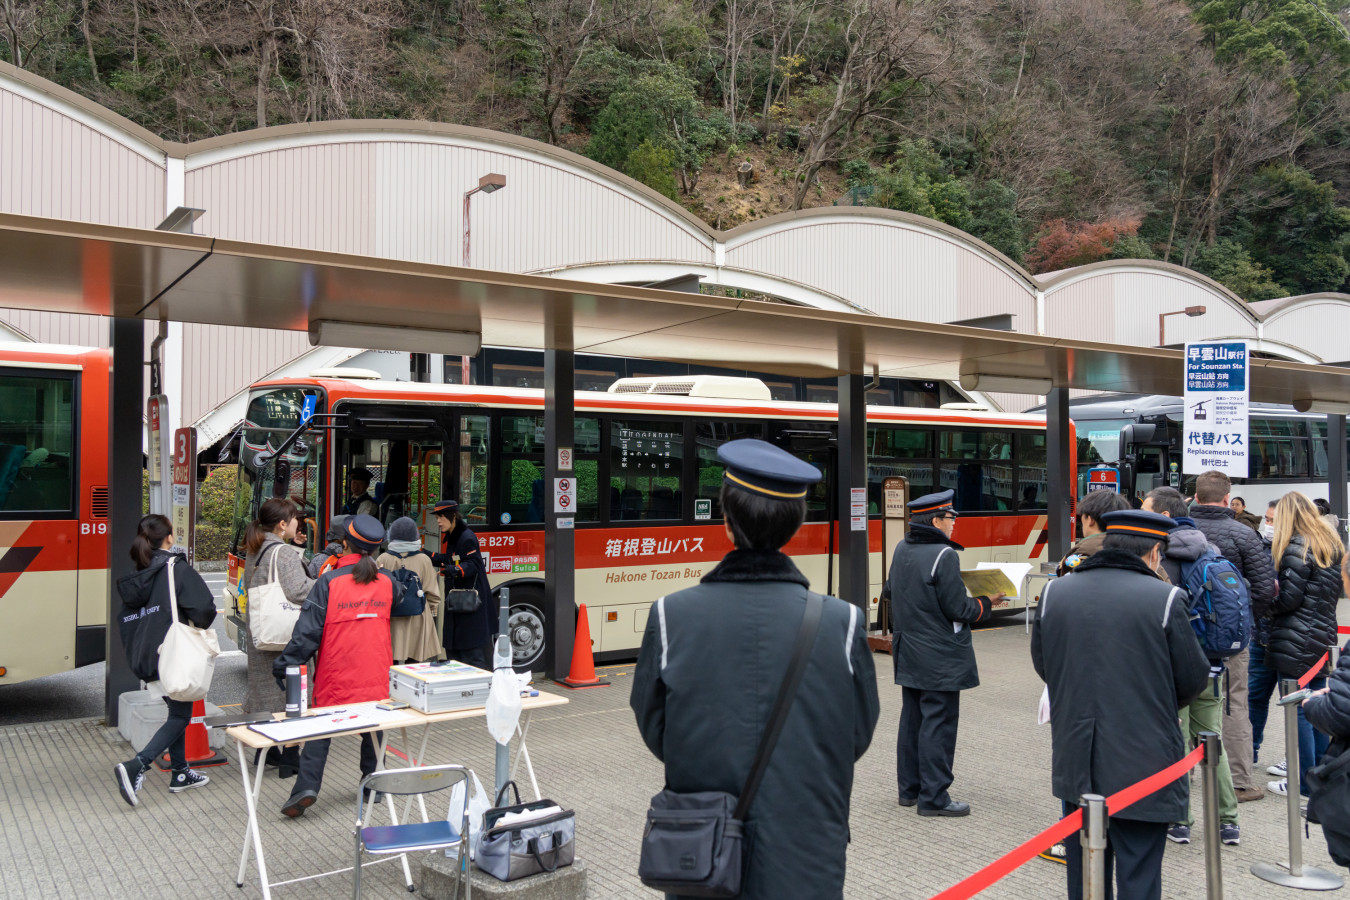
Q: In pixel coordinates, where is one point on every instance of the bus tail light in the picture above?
(3, 671)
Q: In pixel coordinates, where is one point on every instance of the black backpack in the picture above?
(414, 599)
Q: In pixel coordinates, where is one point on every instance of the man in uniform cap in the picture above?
(932, 650)
(359, 501)
(713, 659)
(1119, 658)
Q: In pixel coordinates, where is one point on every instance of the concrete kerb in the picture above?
(437, 882)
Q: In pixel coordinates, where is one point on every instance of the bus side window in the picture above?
(37, 415)
(708, 437)
(472, 488)
(646, 468)
(524, 497)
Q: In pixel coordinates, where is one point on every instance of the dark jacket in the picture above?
(347, 625)
(461, 562)
(1242, 547)
(1329, 713)
(1250, 519)
(712, 660)
(1303, 617)
(145, 618)
(931, 646)
(1115, 648)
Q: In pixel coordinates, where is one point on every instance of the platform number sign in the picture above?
(564, 495)
(183, 501)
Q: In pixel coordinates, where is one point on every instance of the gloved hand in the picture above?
(281, 682)
(440, 559)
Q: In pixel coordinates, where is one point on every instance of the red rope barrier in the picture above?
(1066, 826)
(1314, 671)
(1343, 629)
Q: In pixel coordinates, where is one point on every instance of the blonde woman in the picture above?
(1302, 617)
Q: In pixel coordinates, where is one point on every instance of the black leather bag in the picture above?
(462, 600)
(1329, 800)
(694, 844)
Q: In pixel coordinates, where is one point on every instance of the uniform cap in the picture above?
(1138, 522)
(761, 468)
(365, 532)
(932, 503)
(337, 528)
(361, 474)
(445, 507)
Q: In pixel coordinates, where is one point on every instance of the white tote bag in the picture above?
(271, 617)
(187, 658)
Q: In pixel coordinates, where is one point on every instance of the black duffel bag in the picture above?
(694, 843)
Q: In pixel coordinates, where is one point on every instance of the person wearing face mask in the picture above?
(1267, 529)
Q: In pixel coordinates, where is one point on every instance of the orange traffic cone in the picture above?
(198, 745)
(582, 672)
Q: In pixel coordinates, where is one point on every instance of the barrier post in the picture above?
(1093, 839)
(1209, 781)
(1295, 874)
(502, 658)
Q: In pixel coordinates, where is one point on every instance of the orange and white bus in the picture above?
(647, 513)
(53, 508)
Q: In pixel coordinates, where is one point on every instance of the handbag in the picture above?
(271, 617)
(693, 843)
(509, 851)
(187, 657)
(462, 600)
(1329, 802)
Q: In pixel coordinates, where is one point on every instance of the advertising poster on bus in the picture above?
(1216, 401)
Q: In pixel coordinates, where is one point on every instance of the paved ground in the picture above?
(64, 832)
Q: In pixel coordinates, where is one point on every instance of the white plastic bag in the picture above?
(1043, 708)
(478, 804)
(503, 705)
(187, 658)
(271, 617)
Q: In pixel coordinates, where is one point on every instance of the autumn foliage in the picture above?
(1063, 244)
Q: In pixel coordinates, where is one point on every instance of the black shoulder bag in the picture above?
(692, 844)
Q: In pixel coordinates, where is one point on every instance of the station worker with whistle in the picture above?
(346, 620)
(713, 659)
(932, 650)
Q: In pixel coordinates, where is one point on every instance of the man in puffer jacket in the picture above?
(1243, 548)
(1186, 544)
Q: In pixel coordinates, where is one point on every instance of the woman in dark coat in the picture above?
(1302, 623)
(712, 660)
(145, 620)
(468, 636)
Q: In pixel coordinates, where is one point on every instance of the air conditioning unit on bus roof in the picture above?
(716, 387)
(347, 373)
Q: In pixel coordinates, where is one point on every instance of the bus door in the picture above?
(405, 453)
(816, 445)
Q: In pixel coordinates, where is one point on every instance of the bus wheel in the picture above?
(526, 628)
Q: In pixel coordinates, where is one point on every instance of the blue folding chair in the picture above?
(413, 836)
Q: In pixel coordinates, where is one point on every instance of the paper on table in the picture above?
(1015, 572)
(313, 726)
(987, 582)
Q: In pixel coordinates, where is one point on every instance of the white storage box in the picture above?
(432, 689)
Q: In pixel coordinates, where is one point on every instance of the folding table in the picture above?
(247, 741)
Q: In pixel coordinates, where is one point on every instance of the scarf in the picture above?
(405, 546)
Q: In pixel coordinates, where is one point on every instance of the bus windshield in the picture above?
(1099, 441)
(271, 418)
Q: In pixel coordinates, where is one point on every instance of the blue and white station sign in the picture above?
(1216, 400)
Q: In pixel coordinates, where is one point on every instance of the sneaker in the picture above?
(186, 780)
(1179, 834)
(1279, 770)
(130, 776)
(1280, 787)
(1230, 834)
(1057, 854)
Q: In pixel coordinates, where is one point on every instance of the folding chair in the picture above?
(413, 836)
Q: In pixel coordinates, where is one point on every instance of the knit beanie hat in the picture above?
(337, 527)
(404, 529)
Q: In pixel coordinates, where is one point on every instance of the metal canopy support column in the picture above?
(559, 542)
(1336, 474)
(851, 490)
(1057, 459)
(126, 403)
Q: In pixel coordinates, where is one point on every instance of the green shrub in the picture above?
(213, 542)
(215, 496)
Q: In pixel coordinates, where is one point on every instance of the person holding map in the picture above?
(932, 650)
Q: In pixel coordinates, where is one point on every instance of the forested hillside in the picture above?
(1210, 133)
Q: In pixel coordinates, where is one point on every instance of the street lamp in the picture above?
(1191, 311)
(487, 184)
